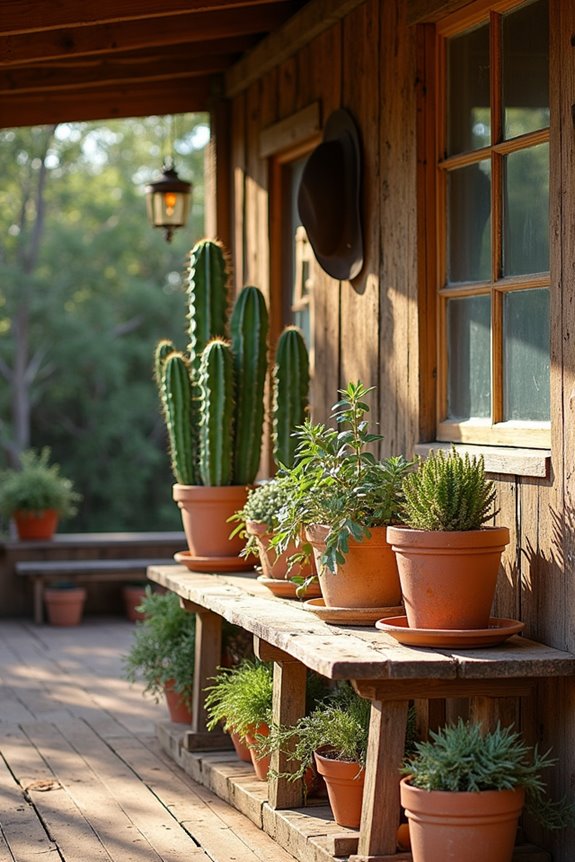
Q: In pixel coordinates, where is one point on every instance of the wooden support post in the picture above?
(385, 752)
(288, 706)
(208, 650)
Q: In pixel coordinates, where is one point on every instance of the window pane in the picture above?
(526, 69)
(526, 355)
(526, 211)
(469, 223)
(469, 357)
(468, 117)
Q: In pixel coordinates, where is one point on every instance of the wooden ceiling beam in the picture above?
(182, 96)
(30, 16)
(47, 80)
(133, 35)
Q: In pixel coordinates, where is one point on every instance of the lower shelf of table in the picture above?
(309, 834)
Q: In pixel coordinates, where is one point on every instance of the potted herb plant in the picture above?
(162, 654)
(333, 738)
(343, 498)
(463, 792)
(448, 560)
(258, 521)
(212, 400)
(240, 699)
(36, 495)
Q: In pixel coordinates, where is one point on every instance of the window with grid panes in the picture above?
(493, 225)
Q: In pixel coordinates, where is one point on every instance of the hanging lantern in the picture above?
(168, 200)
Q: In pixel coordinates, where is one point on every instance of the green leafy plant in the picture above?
(448, 492)
(338, 482)
(338, 724)
(461, 758)
(240, 697)
(36, 486)
(163, 648)
(264, 505)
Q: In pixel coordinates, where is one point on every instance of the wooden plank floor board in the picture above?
(82, 775)
(209, 819)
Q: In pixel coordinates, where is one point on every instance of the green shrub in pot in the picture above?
(341, 497)
(163, 647)
(37, 486)
(464, 790)
(448, 557)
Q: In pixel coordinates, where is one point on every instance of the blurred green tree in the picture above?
(87, 287)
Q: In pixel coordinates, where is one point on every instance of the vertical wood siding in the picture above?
(371, 329)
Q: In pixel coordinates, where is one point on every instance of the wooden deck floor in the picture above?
(82, 777)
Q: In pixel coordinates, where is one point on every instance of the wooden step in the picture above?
(310, 834)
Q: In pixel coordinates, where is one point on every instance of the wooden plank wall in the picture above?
(369, 329)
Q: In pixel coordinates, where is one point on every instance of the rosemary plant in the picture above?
(448, 492)
(163, 647)
(240, 697)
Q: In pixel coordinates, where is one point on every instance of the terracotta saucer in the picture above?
(212, 564)
(286, 589)
(349, 616)
(498, 631)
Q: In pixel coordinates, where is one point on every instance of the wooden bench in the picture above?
(43, 572)
(387, 673)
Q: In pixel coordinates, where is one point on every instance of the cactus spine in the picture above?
(208, 279)
(216, 381)
(249, 328)
(290, 393)
(163, 350)
(177, 386)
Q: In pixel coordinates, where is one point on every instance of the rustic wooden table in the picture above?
(389, 674)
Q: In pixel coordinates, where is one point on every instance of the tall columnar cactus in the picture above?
(290, 393)
(208, 278)
(216, 380)
(249, 328)
(178, 411)
(215, 431)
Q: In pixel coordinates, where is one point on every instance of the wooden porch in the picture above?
(82, 776)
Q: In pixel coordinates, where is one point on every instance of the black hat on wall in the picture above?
(329, 198)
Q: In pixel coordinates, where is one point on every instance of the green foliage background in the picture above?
(101, 290)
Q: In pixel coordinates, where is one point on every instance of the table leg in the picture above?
(288, 706)
(38, 599)
(381, 809)
(208, 649)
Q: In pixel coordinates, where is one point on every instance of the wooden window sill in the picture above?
(499, 459)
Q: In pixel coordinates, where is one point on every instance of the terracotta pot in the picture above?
(448, 579)
(133, 596)
(242, 751)
(65, 606)
(344, 782)
(179, 711)
(450, 827)
(261, 764)
(367, 579)
(35, 526)
(274, 566)
(205, 511)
